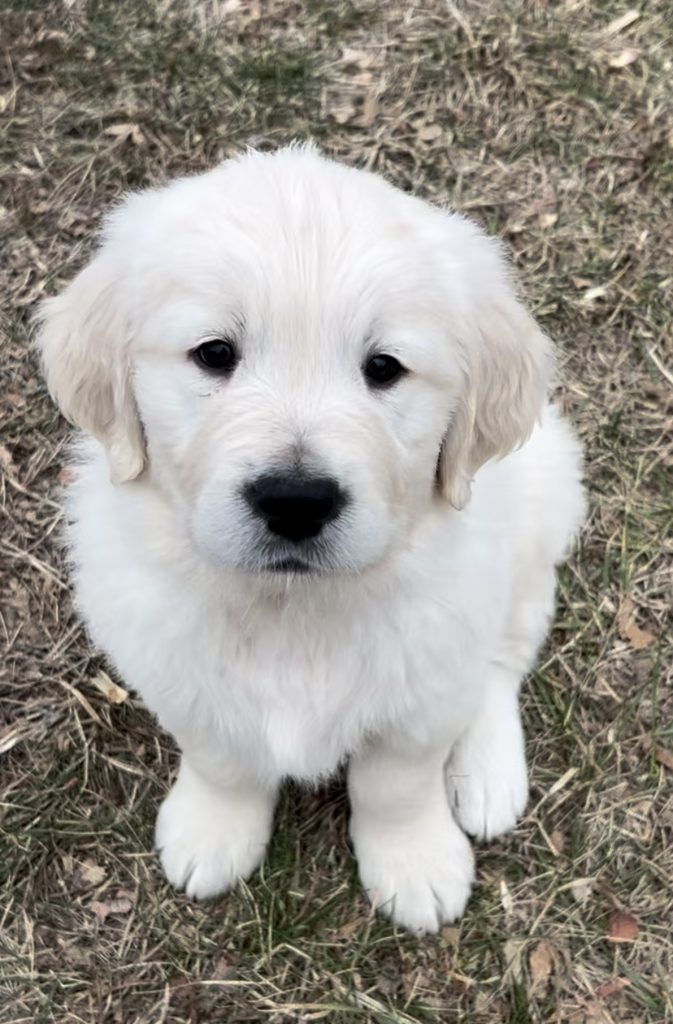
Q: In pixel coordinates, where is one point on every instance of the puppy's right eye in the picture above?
(218, 356)
(382, 371)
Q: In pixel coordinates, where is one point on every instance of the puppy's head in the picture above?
(303, 359)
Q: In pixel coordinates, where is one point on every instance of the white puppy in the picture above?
(319, 511)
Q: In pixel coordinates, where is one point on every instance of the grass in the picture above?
(552, 124)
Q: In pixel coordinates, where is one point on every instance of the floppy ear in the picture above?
(508, 369)
(83, 340)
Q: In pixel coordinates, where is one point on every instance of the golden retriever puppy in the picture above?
(319, 500)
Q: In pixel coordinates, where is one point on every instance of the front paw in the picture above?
(208, 838)
(418, 874)
(486, 776)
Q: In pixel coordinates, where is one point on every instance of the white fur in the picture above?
(434, 589)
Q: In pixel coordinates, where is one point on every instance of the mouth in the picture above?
(290, 565)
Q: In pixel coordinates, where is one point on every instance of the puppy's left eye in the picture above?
(218, 356)
(382, 371)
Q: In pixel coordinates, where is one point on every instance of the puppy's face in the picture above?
(302, 358)
(292, 372)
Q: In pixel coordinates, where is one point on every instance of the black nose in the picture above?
(295, 507)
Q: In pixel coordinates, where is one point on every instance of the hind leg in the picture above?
(486, 776)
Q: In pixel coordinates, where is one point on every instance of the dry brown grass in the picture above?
(555, 129)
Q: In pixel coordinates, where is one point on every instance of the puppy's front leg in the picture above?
(213, 827)
(415, 862)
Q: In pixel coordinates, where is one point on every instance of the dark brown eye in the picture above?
(218, 356)
(382, 371)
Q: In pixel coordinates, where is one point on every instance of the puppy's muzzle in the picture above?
(293, 506)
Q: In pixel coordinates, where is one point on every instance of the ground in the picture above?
(552, 125)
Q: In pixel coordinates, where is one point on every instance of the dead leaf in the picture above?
(91, 873)
(547, 220)
(360, 58)
(370, 109)
(430, 132)
(591, 294)
(513, 953)
(623, 928)
(127, 130)
(622, 22)
(461, 981)
(541, 965)
(626, 57)
(343, 112)
(558, 840)
(611, 988)
(346, 931)
(102, 910)
(40, 207)
(53, 35)
(664, 757)
(224, 969)
(115, 694)
(6, 461)
(628, 630)
(451, 936)
(481, 1002)
(506, 898)
(581, 889)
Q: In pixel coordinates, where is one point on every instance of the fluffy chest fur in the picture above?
(292, 679)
